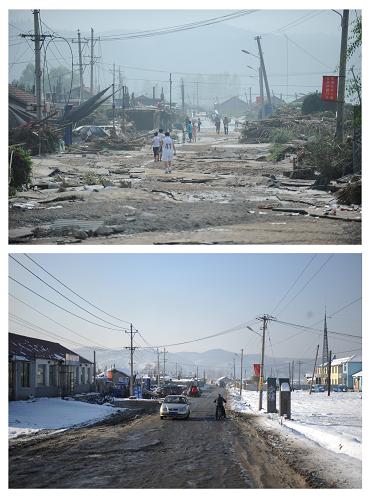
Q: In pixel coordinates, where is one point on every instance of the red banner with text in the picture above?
(329, 88)
(257, 370)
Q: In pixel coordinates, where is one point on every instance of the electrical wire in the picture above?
(61, 294)
(315, 329)
(74, 292)
(63, 308)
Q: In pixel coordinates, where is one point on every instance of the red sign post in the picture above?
(329, 88)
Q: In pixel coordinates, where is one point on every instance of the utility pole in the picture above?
(314, 366)
(197, 374)
(158, 369)
(241, 372)
(258, 38)
(94, 371)
(176, 369)
(265, 318)
(114, 96)
(170, 91)
(123, 107)
(234, 370)
(164, 366)
(80, 65)
(342, 78)
(329, 374)
(132, 349)
(293, 375)
(197, 96)
(250, 96)
(92, 62)
(299, 373)
(262, 97)
(182, 96)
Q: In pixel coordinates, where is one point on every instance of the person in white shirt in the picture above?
(168, 150)
(156, 142)
(161, 138)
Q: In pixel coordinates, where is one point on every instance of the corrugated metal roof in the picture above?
(31, 348)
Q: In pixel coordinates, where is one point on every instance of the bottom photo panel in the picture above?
(185, 370)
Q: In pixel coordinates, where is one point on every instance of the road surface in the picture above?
(148, 452)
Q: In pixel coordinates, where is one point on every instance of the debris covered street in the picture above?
(219, 192)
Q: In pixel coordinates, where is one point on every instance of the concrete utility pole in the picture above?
(329, 374)
(241, 372)
(94, 371)
(132, 350)
(299, 373)
(262, 64)
(92, 62)
(158, 369)
(182, 96)
(250, 96)
(114, 96)
(80, 65)
(265, 318)
(339, 135)
(293, 375)
(314, 366)
(164, 366)
(234, 370)
(198, 96)
(37, 63)
(262, 97)
(170, 91)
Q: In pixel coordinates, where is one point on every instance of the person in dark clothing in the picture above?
(220, 404)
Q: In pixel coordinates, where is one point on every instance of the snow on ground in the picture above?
(333, 422)
(27, 417)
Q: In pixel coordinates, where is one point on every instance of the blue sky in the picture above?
(178, 297)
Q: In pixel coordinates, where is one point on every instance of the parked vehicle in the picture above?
(168, 389)
(318, 388)
(175, 406)
(194, 391)
(340, 388)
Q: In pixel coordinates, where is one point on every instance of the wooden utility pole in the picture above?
(132, 350)
(94, 371)
(314, 367)
(241, 372)
(339, 134)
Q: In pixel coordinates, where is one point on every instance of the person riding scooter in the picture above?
(220, 404)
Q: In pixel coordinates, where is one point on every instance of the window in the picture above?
(53, 375)
(25, 374)
(83, 369)
(88, 375)
(41, 374)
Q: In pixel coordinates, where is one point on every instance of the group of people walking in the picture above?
(225, 121)
(192, 128)
(163, 149)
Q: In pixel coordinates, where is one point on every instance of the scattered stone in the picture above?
(103, 231)
(125, 183)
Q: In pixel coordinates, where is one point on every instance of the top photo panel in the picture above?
(189, 127)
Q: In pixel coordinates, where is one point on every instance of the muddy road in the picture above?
(148, 452)
(220, 192)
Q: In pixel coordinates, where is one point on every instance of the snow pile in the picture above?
(334, 422)
(27, 417)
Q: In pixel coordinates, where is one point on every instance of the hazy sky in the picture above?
(179, 297)
(299, 47)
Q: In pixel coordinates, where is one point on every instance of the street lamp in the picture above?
(249, 53)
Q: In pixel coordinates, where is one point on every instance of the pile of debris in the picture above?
(35, 139)
(350, 194)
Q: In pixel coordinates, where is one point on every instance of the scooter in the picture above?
(220, 412)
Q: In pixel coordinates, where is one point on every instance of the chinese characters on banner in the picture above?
(329, 88)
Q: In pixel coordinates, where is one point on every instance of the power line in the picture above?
(75, 293)
(62, 308)
(61, 294)
(315, 329)
(307, 283)
(293, 284)
(49, 318)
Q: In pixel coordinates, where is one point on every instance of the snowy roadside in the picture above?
(325, 433)
(334, 422)
(39, 414)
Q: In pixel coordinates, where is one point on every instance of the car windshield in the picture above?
(175, 399)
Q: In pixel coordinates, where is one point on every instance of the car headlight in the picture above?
(164, 409)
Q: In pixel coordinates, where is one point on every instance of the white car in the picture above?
(175, 406)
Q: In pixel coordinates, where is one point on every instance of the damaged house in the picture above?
(42, 368)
